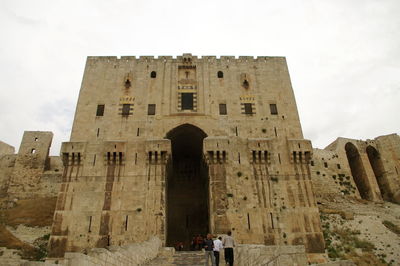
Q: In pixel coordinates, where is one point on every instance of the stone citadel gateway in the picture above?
(175, 147)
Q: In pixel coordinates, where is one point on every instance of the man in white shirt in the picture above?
(217, 248)
(229, 244)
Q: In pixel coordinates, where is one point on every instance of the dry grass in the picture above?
(31, 212)
(367, 258)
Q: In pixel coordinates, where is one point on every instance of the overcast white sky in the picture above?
(343, 56)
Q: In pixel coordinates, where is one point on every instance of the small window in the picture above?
(325, 164)
(338, 166)
(36, 139)
(274, 110)
(187, 101)
(153, 74)
(245, 84)
(33, 151)
(220, 74)
(248, 109)
(127, 84)
(151, 109)
(100, 110)
(126, 109)
(222, 109)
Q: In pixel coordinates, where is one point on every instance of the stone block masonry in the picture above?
(177, 147)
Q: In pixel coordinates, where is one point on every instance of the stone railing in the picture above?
(129, 255)
(256, 255)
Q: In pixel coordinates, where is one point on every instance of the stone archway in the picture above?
(377, 166)
(358, 171)
(187, 186)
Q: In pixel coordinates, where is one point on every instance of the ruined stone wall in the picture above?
(117, 161)
(389, 149)
(31, 172)
(7, 163)
(331, 175)
(6, 149)
(368, 169)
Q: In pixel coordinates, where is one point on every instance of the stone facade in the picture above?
(178, 147)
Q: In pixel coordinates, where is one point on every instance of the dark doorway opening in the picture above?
(187, 186)
(358, 171)
(377, 166)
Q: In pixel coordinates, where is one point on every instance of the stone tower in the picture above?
(176, 147)
(30, 163)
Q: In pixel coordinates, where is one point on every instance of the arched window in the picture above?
(220, 74)
(153, 74)
(127, 83)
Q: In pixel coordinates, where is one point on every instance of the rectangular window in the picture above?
(187, 101)
(100, 110)
(248, 109)
(222, 109)
(274, 110)
(126, 109)
(151, 110)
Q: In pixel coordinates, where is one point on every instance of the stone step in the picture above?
(181, 258)
(10, 262)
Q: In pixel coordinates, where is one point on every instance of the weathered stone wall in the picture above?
(389, 150)
(7, 163)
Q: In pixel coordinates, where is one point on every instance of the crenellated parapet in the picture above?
(300, 151)
(183, 58)
(215, 150)
(114, 152)
(260, 150)
(158, 151)
(73, 153)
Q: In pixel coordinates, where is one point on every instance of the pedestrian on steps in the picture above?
(228, 243)
(217, 249)
(208, 245)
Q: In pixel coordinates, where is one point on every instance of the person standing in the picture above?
(228, 244)
(208, 245)
(217, 248)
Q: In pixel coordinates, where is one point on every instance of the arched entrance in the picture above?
(377, 166)
(358, 171)
(187, 186)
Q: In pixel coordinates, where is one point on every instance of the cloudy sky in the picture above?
(343, 56)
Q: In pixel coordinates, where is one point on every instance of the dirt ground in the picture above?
(32, 213)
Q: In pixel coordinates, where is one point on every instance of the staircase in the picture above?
(184, 258)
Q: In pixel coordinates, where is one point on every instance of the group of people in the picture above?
(214, 247)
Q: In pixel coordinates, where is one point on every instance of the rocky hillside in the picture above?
(362, 231)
